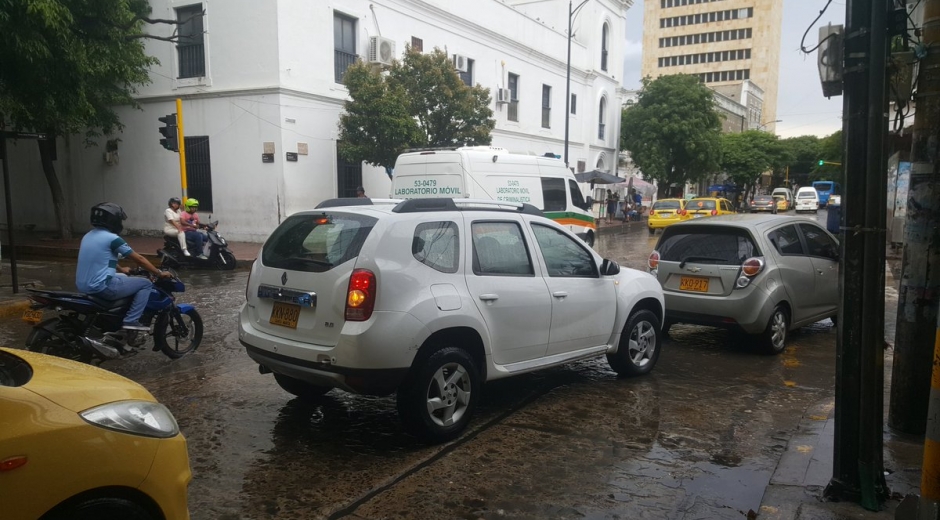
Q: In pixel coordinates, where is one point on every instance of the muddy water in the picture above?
(698, 438)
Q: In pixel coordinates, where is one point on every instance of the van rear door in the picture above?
(423, 175)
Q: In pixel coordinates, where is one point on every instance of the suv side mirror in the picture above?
(609, 268)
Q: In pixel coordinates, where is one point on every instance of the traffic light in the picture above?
(170, 139)
(821, 162)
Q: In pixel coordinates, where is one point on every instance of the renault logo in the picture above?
(284, 278)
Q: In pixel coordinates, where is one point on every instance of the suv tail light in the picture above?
(653, 261)
(749, 269)
(360, 297)
(714, 212)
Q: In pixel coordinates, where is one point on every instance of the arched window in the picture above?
(605, 42)
(601, 118)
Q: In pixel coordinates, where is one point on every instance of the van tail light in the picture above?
(360, 297)
(714, 212)
(749, 269)
(653, 261)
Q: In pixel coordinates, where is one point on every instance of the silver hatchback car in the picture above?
(760, 274)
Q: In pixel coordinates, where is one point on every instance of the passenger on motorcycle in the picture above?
(190, 221)
(98, 272)
(171, 223)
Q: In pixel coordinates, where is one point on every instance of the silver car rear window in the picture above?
(707, 245)
(316, 243)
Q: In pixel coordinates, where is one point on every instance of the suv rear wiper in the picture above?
(698, 258)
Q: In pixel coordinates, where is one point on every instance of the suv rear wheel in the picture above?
(437, 400)
(639, 345)
(302, 389)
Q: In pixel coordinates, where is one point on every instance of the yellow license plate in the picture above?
(692, 283)
(32, 316)
(285, 315)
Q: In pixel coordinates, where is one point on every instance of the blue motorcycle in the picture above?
(88, 328)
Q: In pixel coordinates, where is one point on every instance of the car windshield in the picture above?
(316, 242)
(697, 204)
(13, 370)
(666, 204)
(707, 245)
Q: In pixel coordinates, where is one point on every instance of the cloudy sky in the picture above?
(800, 102)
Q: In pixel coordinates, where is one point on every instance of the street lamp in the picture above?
(769, 123)
(571, 15)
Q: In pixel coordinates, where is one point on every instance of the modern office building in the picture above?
(724, 42)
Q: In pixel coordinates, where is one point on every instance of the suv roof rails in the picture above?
(441, 204)
(354, 201)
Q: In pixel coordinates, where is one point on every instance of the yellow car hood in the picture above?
(77, 386)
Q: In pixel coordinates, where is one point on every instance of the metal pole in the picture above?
(9, 203)
(181, 140)
(929, 506)
(568, 88)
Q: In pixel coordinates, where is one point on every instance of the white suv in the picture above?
(429, 298)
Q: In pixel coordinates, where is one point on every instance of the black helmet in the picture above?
(109, 216)
(174, 199)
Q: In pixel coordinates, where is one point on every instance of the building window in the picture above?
(199, 170)
(417, 44)
(574, 103)
(190, 46)
(467, 76)
(344, 44)
(601, 118)
(348, 177)
(513, 112)
(605, 37)
(546, 106)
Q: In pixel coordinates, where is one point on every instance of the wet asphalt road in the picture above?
(698, 438)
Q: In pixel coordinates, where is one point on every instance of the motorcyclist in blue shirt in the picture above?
(98, 272)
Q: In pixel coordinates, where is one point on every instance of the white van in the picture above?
(807, 199)
(487, 172)
(787, 195)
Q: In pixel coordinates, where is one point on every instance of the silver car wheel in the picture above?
(448, 394)
(778, 329)
(642, 343)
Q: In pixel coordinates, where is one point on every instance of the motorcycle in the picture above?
(88, 328)
(218, 255)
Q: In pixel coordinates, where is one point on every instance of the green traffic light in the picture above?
(821, 162)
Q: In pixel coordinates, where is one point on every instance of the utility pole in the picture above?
(858, 460)
(920, 260)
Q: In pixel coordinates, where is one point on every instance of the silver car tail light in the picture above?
(749, 269)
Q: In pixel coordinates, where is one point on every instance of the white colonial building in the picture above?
(266, 77)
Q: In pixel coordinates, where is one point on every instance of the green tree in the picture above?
(802, 154)
(672, 132)
(420, 102)
(746, 155)
(64, 65)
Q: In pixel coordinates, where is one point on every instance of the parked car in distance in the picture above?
(765, 203)
(786, 204)
(709, 207)
(807, 199)
(81, 443)
(758, 274)
(666, 212)
(430, 298)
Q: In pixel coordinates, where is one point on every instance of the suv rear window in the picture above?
(707, 245)
(316, 243)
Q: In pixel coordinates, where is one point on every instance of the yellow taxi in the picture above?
(79, 442)
(666, 212)
(709, 207)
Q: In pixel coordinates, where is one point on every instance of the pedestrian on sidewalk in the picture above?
(360, 192)
(612, 203)
(98, 273)
(190, 222)
(171, 223)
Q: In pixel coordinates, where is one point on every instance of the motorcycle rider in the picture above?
(171, 223)
(190, 222)
(98, 272)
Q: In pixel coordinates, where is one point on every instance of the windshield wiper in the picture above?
(697, 259)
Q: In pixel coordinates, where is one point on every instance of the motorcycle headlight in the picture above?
(134, 417)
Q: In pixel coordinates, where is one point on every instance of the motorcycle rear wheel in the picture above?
(178, 336)
(43, 341)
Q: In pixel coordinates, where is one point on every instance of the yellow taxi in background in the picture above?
(709, 207)
(81, 443)
(666, 212)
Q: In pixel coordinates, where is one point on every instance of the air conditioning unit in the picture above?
(503, 95)
(381, 50)
(460, 63)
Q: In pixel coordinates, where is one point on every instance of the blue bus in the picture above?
(825, 189)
